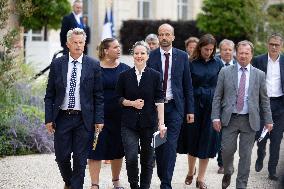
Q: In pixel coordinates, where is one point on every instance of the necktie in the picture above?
(241, 90)
(167, 55)
(71, 103)
(227, 64)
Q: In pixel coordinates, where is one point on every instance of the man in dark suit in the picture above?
(73, 107)
(239, 95)
(227, 48)
(71, 21)
(173, 65)
(272, 63)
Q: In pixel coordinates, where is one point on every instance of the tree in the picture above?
(275, 18)
(233, 19)
(45, 14)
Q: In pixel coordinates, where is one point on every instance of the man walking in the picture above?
(173, 64)
(272, 63)
(239, 97)
(74, 107)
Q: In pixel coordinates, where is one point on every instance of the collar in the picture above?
(247, 67)
(137, 71)
(230, 63)
(80, 59)
(163, 52)
(269, 59)
(77, 15)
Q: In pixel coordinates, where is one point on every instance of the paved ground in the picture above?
(41, 172)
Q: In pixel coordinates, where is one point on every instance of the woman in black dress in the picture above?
(109, 144)
(200, 140)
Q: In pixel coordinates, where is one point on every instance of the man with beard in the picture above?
(173, 64)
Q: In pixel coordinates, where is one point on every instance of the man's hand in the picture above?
(138, 104)
(189, 118)
(99, 127)
(269, 126)
(162, 129)
(217, 125)
(49, 127)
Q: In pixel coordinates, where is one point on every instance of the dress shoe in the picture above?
(226, 181)
(258, 165)
(220, 170)
(67, 187)
(273, 177)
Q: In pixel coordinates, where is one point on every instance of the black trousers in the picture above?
(130, 140)
(275, 136)
(71, 136)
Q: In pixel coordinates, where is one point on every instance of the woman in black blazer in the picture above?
(141, 96)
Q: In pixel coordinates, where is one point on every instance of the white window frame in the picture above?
(140, 8)
(180, 12)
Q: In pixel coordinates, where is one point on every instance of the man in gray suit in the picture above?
(239, 97)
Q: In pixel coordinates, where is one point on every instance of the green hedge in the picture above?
(136, 30)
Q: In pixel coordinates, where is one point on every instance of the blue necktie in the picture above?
(71, 103)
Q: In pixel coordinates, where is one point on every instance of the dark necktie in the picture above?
(167, 55)
(227, 64)
(241, 90)
(71, 103)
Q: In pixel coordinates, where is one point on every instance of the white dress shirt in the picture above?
(273, 78)
(139, 74)
(247, 72)
(230, 63)
(169, 93)
(64, 106)
(77, 17)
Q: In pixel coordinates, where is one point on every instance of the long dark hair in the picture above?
(203, 41)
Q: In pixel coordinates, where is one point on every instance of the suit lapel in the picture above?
(143, 79)
(264, 63)
(281, 62)
(235, 76)
(64, 69)
(133, 77)
(251, 80)
(85, 68)
(159, 61)
(174, 61)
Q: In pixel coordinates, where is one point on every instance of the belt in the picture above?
(168, 101)
(71, 112)
(236, 114)
(276, 98)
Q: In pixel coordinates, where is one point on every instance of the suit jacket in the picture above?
(180, 78)
(261, 62)
(149, 89)
(91, 90)
(225, 97)
(68, 22)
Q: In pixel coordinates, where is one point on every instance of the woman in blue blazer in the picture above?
(141, 96)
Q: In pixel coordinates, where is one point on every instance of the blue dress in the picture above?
(200, 139)
(109, 144)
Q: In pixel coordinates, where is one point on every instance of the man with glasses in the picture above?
(272, 63)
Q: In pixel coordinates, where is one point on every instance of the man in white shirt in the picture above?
(272, 63)
(71, 21)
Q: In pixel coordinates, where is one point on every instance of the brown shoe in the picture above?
(188, 180)
(220, 170)
(67, 187)
(226, 181)
(201, 185)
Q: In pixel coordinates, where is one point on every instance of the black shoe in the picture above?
(226, 181)
(273, 177)
(258, 165)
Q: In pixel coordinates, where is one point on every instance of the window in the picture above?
(182, 9)
(34, 35)
(144, 9)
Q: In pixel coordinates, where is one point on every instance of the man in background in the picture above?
(153, 41)
(71, 21)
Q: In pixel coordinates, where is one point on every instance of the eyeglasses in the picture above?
(274, 45)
